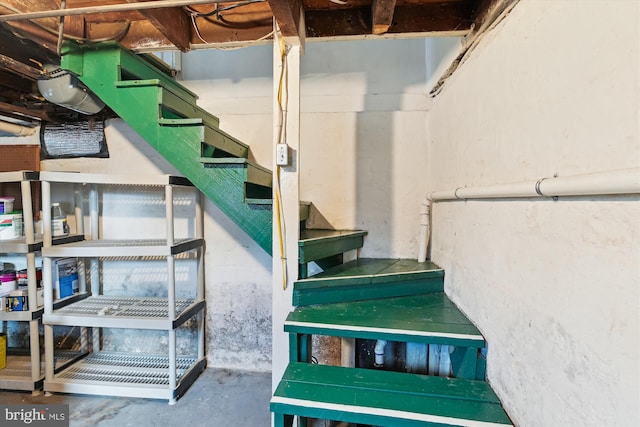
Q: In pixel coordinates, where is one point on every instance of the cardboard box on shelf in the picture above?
(17, 158)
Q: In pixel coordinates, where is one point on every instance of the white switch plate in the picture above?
(282, 154)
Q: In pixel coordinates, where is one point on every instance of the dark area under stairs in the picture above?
(396, 300)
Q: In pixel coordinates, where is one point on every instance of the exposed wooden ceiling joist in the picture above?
(443, 18)
(290, 18)
(26, 112)
(173, 23)
(382, 15)
(202, 24)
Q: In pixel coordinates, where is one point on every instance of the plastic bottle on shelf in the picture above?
(59, 226)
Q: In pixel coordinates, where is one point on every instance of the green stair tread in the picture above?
(262, 202)
(314, 236)
(367, 270)
(211, 135)
(454, 388)
(431, 318)
(352, 393)
(316, 244)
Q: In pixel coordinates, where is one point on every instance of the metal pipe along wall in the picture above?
(624, 181)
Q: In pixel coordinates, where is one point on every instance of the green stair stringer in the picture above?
(103, 67)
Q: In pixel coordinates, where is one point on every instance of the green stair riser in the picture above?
(251, 173)
(308, 252)
(392, 381)
(365, 289)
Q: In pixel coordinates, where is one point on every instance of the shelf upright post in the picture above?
(29, 233)
(171, 292)
(94, 234)
(47, 276)
(77, 203)
(200, 291)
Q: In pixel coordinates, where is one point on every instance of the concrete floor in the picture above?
(218, 398)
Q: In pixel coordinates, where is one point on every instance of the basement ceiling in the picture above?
(25, 44)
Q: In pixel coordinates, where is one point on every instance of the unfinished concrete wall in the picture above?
(553, 285)
(363, 134)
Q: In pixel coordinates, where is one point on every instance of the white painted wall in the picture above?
(555, 88)
(363, 133)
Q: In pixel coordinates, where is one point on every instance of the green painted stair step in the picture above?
(429, 318)
(172, 104)
(383, 398)
(318, 244)
(155, 112)
(369, 278)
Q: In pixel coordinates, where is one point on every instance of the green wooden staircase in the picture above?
(395, 301)
(166, 115)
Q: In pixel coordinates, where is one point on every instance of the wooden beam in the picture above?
(382, 15)
(172, 22)
(450, 18)
(289, 16)
(14, 109)
(13, 83)
(487, 15)
(19, 68)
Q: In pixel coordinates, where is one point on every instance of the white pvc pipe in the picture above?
(624, 181)
(379, 353)
(16, 129)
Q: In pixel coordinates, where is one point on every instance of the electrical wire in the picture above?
(282, 136)
(199, 35)
(217, 10)
(118, 36)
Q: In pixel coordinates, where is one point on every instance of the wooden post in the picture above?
(286, 215)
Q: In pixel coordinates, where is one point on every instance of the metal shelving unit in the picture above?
(24, 372)
(159, 376)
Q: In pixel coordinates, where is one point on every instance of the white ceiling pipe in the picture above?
(624, 181)
(16, 129)
(101, 9)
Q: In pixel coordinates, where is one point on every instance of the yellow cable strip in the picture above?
(281, 137)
